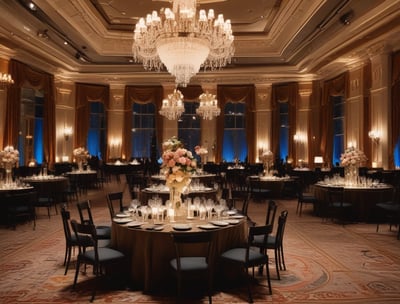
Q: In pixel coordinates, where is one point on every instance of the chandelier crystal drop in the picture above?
(181, 42)
(172, 107)
(5, 80)
(208, 106)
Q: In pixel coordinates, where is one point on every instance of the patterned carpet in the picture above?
(326, 263)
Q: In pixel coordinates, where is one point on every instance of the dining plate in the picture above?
(207, 227)
(219, 223)
(122, 215)
(239, 216)
(134, 224)
(181, 227)
(122, 220)
(233, 221)
(231, 212)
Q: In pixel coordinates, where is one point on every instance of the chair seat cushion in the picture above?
(389, 206)
(105, 254)
(341, 205)
(103, 232)
(238, 255)
(190, 264)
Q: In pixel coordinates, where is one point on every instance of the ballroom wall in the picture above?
(368, 105)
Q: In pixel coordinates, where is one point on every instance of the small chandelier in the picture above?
(181, 42)
(208, 106)
(172, 107)
(5, 80)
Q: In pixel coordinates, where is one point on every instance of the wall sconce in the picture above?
(67, 133)
(318, 160)
(374, 135)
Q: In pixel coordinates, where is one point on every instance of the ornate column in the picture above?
(263, 119)
(65, 119)
(303, 125)
(380, 102)
(115, 124)
(209, 127)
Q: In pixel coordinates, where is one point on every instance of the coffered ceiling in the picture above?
(275, 40)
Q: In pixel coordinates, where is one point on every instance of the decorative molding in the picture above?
(64, 91)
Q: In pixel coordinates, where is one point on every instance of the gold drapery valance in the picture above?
(142, 95)
(25, 76)
(237, 93)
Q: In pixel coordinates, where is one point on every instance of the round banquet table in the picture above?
(149, 251)
(275, 185)
(84, 179)
(6, 191)
(48, 186)
(363, 199)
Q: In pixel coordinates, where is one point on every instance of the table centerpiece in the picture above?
(8, 158)
(202, 152)
(178, 165)
(351, 160)
(81, 155)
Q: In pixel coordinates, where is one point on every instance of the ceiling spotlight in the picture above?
(346, 18)
(42, 34)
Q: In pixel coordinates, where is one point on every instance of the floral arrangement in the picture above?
(352, 156)
(267, 156)
(200, 150)
(9, 156)
(178, 163)
(81, 154)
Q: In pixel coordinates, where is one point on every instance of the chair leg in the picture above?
(268, 278)
(282, 257)
(68, 259)
(249, 289)
(277, 263)
(76, 272)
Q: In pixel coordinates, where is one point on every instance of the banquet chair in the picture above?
(70, 238)
(338, 208)
(304, 198)
(390, 210)
(113, 199)
(242, 197)
(189, 268)
(247, 257)
(21, 206)
(271, 213)
(85, 214)
(101, 258)
(259, 190)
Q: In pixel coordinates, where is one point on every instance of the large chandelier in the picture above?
(208, 107)
(5, 80)
(181, 42)
(172, 107)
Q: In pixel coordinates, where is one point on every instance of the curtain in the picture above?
(333, 87)
(24, 75)
(142, 95)
(395, 89)
(288, 92)
(86, 93)
(237, 93)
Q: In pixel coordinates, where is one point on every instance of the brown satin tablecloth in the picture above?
(149, 252)
(363, 200)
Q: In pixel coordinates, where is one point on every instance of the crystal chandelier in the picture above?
(208, 106)
(5, 80)
(181, 42)
(172, 107)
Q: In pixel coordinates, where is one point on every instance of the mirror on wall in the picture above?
(30, 136)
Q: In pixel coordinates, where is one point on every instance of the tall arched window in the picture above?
(96, 140)
(143, 129)
(284, 130)
(234, 140)
(30, 140)
(189, 131)
(338, 127)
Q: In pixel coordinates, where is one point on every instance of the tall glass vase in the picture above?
(8, 178)
(351, 175)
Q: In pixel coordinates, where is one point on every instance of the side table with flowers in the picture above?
(351, 160)
(267, 158)
(81, 155)
(8, 158)
(202, 152)
(178, 165)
